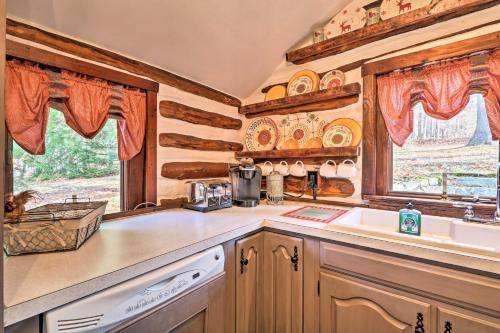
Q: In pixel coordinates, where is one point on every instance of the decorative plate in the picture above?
(442, 5)
(392, 8)
(337, 136)
(262, 134)
(351, 124)
(349, 19)
(300, 133)
(275, 92)
(302, 82)
(332, 79)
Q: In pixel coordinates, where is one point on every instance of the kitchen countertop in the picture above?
(128, 247)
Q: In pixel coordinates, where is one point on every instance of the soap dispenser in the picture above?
(410, 220)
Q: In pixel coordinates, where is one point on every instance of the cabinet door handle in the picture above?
(419, 328)
(243, 261)
(447, 327)
(295, 258)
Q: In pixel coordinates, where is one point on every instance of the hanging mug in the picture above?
(266, 167)
(298, 169)
(282, 168)
(347, 169)
(328, 169)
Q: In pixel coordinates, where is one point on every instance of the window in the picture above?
(71, 165)
(462, 147)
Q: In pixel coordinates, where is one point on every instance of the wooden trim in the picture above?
(174, 110)
(87, 51)
(429, 206)
(369, 174)
(2, 146)
(299, 153)
(413, 20)
(175, 140)
(31, 53)
(315, 99)
(456, 49)
(150, 142)
(194, 170)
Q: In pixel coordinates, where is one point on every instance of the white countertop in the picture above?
(125, 248)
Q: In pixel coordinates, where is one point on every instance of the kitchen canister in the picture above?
(347, 169)
(274, 189)
(298, 169)
(328, 169)
(318, 35)
(372, 15)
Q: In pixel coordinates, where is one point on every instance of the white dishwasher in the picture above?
(106, 309)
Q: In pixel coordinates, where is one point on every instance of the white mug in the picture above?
(282, 168)
(328, 169)
(298, 169)
(266, 167)
(347, 169)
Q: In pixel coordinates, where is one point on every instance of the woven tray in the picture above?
(53, 227)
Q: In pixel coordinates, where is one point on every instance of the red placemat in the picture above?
(316, 214)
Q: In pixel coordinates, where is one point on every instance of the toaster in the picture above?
(207, 195)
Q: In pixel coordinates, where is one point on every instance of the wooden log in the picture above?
(94, 53)
(369, 174)
(302, 153)
(174, 110)
(31, 53)
(295, 184)
(172, 203)
(194, 170)
(352, 89)
(335, 187)
(182, 141)
(319, 106)
(455, 49)
(413, 20)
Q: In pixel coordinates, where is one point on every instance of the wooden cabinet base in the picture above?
(201, 310)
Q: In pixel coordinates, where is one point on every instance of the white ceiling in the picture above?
(230, 45)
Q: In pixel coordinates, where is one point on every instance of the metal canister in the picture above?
(274, 189)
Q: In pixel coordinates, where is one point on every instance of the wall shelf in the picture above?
(413, 20)
(328, 99)
(307, 155)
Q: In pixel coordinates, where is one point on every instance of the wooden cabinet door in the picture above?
(248, 284)
(199, 311)
(349, 306)
(283, 284)
(453, 322)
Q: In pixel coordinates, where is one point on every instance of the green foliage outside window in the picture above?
(68, 155)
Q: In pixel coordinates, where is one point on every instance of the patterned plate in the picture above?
(337, 136)
(262, 134)
(302, 82)
(349, 19)
(299, 132)
(332, 79)
(392, 8)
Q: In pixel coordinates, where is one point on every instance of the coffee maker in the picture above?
(245, 180)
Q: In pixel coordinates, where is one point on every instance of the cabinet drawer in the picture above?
(464, 288)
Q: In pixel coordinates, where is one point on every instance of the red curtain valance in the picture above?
(443, 89)
(86, 103)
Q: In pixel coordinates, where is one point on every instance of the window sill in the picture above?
(429, 206)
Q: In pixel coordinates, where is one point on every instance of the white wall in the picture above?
(286, 70)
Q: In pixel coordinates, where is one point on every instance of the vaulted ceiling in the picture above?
(230, 45)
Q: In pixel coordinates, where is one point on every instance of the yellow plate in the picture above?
(351, 124)
(302, 82)
(275, 92)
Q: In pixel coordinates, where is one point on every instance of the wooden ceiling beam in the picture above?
(90, 52)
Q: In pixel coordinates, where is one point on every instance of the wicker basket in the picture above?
(53, 227)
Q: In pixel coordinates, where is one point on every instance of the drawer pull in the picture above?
(295, 258)
(419, 328)
(447, 327)
(243, 261)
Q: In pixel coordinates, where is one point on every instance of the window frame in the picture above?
(138, 175)
(377, 146)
